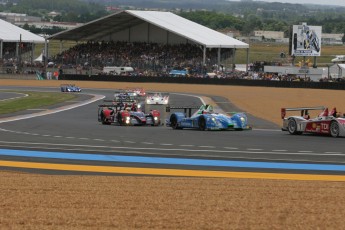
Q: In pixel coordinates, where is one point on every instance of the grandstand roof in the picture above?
(149, 26)
(13, 33)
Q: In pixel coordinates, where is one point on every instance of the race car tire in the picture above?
(202, 123)
(173, 122)
(119, 119)
(334, 129)
(292, 127)
(104, 120)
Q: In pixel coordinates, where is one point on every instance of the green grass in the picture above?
(35, 100)
(271, 52)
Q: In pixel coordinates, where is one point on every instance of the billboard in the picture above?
(306, 40)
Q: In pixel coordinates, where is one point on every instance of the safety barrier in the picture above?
(207, 81)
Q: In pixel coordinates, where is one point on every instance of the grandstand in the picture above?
(105, 41)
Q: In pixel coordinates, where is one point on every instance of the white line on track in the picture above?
(176, 149)
(12, 98)
(233, 148)
(333, 152)
(52, 111)
(147, 143)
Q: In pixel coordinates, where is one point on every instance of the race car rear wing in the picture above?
(304, 110)
(185, 108)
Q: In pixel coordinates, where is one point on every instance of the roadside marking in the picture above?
(173, 161)
(12, 98)
(147, 143)
(52, 111)
(170, 172)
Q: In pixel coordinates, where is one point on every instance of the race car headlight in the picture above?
(243, 120)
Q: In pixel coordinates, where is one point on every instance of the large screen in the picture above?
(306, 40)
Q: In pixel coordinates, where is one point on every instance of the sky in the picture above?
(320, 2)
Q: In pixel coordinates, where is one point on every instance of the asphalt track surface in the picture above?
(72, 141)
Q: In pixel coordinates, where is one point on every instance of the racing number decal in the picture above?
(324, 126)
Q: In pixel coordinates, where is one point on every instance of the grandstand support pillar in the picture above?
(234, 60)
(247, 60)
(33, 47)
(1, 48)
(17, 49)
(218, 61)
(204, 57)
(45, 54)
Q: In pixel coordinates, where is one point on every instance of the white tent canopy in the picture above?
(341, 66)
(149, 26)
(13, 33)
(39, 58)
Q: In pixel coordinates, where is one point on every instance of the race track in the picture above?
(73, 141)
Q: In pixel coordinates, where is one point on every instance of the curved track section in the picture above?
(73, 141)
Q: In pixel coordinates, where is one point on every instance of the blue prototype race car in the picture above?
(69, 88)
(206, 119)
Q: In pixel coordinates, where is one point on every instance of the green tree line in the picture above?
(243, 16)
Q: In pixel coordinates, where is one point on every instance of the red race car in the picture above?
(127, 113)
(327, 123)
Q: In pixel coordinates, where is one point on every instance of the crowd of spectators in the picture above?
(146, 58)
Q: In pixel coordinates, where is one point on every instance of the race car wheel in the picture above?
(334, 129)
(119, 119)
(173, 122)
(292, 127)
(202, 123)
(104, 120)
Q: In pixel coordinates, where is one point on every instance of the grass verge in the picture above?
(34, 100)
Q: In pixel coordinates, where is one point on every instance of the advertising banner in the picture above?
(306, 40)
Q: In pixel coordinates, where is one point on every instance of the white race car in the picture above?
(157, 99)
(326, 123)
